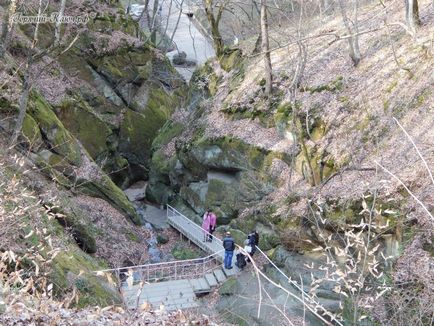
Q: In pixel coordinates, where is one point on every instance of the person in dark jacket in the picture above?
(253, 238)
(229, 246)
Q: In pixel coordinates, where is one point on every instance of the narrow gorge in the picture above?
(139, 109)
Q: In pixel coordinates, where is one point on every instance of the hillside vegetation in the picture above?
(332, 168)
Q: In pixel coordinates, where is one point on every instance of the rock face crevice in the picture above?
(98, 108)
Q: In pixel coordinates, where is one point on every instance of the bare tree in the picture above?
(352, 28)
(154, 24)
(214, 11)
(24, 98)
(33, 56)
(412, 14)
(266, 49)
(7, 26)
(59, 23)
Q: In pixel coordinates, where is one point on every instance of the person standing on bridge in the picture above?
(212, 224)
(206, 225)
(229, 245)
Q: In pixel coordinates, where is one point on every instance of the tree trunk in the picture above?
(214, 23)
(176, 25)
(59, 23)
(4, 34)
(7, 26)
(352, 30)
(266, 49)
(412, 14)
(154, 22)
(24, 98)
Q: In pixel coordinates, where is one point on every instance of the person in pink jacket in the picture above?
(212, 225)
(208, 225)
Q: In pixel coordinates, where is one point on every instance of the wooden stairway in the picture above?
(176, 294)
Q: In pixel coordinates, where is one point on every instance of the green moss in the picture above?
(392, 86)
(239, 111)
(53, 171)
(222, 198)
(269, 241)
(334, 86)
(421, 98)
(136, 135)
(66, 267)
(53, 130)
(322, 165)
(319, 130)
(79, 227)
(161, 163)
(230, 59)
(80, 119)
(229, 287)
(344, 100)
(169, 131)
(31, 132)
(235, 153)
(103, 187)
(200, 82)
(139, 129)
(162, 239)
(182, 252)
(133, 237)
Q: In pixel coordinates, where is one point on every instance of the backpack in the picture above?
(241, 261)
(256, 238)
(252, 239)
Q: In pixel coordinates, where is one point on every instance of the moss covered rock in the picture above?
(73, 268)
(82, 121)
(76, 224)
(55, 133)
(230, 59)
(103, 187)
(315, 166)
(136, 136)
(229, 287)
(31, 133)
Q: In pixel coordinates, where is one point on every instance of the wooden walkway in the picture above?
(195, 233)
(175, 284)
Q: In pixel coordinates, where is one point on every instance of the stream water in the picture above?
(174, 22)
(186, 37)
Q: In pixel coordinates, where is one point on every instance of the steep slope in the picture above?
(246, 158)
(95, 106)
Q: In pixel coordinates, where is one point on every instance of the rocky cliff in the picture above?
(93, 112)
(305, 171)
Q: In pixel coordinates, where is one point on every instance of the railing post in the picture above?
(176, 270)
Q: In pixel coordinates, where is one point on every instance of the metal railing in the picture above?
(167, 271)
(177, 217)
(180, 221)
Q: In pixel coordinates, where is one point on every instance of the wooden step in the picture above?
(219, 275)
(200, 285)
(231, 272)
(210, 278)
(173, 295)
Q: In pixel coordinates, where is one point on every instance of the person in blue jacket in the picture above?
(229, 246)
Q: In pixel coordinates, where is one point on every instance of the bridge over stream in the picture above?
(176, 284)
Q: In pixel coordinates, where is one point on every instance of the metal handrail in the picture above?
(207, 258)
(294, 283)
